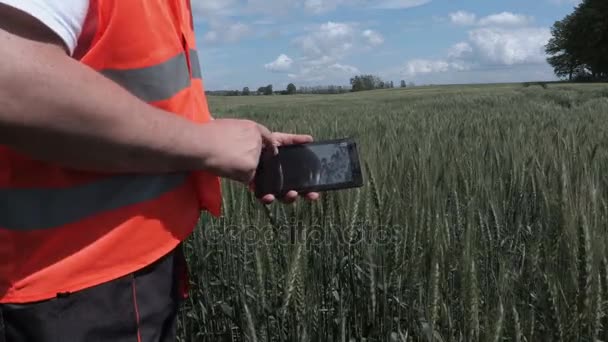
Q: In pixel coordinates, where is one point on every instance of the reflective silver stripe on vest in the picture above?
(155, 83)
(196, 66)
(158, 82)
(37, 209)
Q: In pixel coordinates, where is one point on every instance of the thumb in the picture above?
(269, 139)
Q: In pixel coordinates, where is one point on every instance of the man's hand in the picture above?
(237, 147)
(284, 139)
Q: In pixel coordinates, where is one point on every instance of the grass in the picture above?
(484, 217)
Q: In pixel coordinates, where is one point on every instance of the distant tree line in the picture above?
(330, 89)
(578, 49)
(371, 82)
(357, 83)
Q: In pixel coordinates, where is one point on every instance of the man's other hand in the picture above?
(236, 150)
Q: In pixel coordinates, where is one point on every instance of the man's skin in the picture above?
(56, 109)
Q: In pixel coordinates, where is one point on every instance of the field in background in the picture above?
(484, 217)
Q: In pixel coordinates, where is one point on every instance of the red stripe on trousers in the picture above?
(136, 309)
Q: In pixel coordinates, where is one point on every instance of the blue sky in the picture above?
(320, 42)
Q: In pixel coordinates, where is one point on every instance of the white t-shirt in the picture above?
(65, 17)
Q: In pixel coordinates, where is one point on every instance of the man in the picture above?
(108, 153)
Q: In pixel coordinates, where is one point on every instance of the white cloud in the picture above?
(222, 32)
(374, 38)
(509, 47)
(329, 39)
(263, 22)
(270, 7)
(236, 31)
(565, 2)
(349, 69)
(320, 6)
(427, 66)
(463, 18)
(398, 4)
(497, 46)
(505, 19)
(322, 49)
(282, 64)
(332, 41)
(460, 50)
(213, 8)
(321, 73)
(323, 6)
(497, 40)
(211, 36)
(516, 73)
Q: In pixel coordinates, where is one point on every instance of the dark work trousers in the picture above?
(140, 307)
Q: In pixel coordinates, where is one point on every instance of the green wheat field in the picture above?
(484, 217)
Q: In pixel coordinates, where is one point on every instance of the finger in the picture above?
(313, 196)
(290, 197)
(292, 139)
(268, 199)
(269, 139)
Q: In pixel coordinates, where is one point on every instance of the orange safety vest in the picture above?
(64, 230)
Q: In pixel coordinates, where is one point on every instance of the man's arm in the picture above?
(57, 109)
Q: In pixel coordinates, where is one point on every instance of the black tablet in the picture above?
(316, 167)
